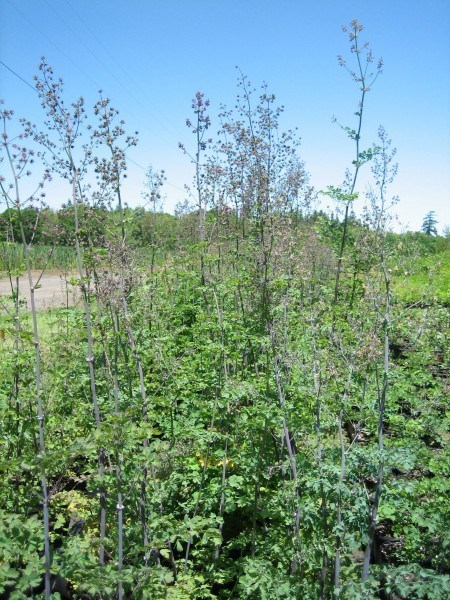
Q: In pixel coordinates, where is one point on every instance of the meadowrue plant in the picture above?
(249, 399)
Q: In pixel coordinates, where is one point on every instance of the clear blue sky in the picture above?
(150, 57)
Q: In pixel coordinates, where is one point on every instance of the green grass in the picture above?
(49, 321)
(12, 256)
(429, 282)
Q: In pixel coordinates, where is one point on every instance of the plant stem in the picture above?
(40, 410)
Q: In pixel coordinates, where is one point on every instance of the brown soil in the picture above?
(53, 293)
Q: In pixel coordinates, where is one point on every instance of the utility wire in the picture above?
(124, 71)
(86, 74)
(17, 75)
(127, 157)
(177, 187)
(73, 31)
(111, 73)
(51, 42)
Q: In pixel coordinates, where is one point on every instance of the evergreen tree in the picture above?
(429, 223)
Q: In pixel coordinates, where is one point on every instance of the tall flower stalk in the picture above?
(19, 158)
(66, 124)
(365, 77)
(384, 171)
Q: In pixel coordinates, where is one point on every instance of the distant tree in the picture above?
(158, 230)
(92, 225)
(429, 223)
(36, 223)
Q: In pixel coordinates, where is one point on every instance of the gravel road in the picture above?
(52, 294)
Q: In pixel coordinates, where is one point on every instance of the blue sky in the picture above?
(150, 57)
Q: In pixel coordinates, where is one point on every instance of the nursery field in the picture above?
(251, 442)
(246, 399)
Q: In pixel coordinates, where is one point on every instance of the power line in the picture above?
(85, 74)
(18, 76)
(79, 38)
(127, 157)
(77, 66)
(92, 53)
(51, 42)
(135, 163)
(125, 72)
(177, 187)
(112, 74)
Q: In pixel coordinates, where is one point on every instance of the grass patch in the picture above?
(49, 322)
(430, 281)
(12, 257)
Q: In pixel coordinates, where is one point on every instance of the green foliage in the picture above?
(214, 404)
(21, 563)
(245, 425)
(36, 224)
(12, 258)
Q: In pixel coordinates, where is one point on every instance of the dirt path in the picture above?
(53, 293)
